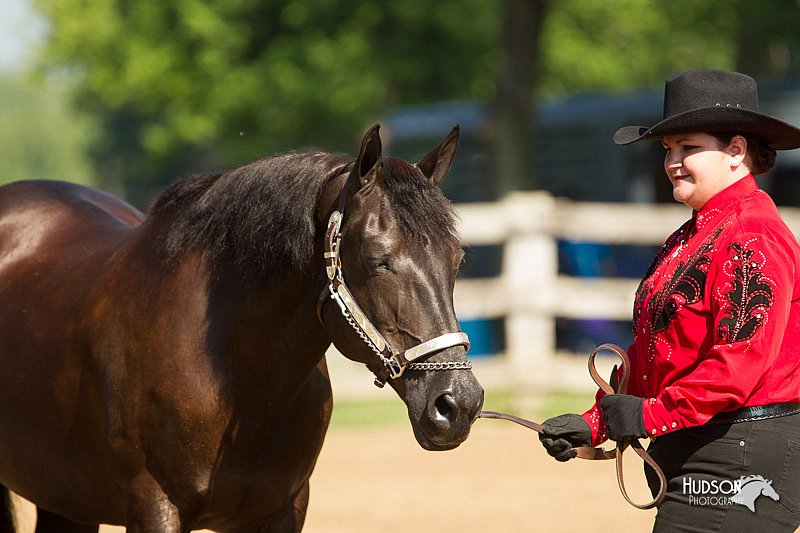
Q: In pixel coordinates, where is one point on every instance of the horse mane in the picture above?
(256, 219)
(259, 219)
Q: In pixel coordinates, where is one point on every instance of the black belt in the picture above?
(757, 412)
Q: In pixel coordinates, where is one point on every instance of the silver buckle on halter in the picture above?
(333, 262)
(394, 367)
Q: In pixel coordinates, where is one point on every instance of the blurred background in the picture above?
(557, 221)
(131, 95)
(559, 224)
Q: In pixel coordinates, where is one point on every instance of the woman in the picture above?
(715, 360)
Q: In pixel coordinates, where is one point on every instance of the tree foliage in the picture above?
(620, 44)
(41, 136)
(624, 44)
(203, 83)
(177, 86)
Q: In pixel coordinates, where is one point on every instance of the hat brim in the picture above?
(775, 132)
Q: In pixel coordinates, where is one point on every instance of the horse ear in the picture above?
(436, 164)
(368, 163)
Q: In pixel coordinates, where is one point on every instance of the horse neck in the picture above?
(268, 330)
(289, 301)
(281, 316)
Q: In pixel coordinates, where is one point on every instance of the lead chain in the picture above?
(432, 366)
(446, 365)
(350, 320)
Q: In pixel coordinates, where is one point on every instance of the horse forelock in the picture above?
(419, 205)
(257, 219)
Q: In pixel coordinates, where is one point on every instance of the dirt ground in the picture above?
(500, 480)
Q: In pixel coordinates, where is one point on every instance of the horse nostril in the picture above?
(446, 408)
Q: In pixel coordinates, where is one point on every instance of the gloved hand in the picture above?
(623, 416)
(563, 433)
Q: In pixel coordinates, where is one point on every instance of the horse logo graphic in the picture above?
(750, 488)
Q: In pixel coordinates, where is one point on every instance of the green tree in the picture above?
(768, 41)
(41, 137)
(512, 110)
(574, 46)
(179, 85)
(183, 85)
(625, 44)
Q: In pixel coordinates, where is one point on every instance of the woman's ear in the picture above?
(737, 147)
(737, 150)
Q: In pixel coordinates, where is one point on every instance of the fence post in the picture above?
(530, 270)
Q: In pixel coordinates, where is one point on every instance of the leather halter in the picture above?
(587, 452)
(394, 362)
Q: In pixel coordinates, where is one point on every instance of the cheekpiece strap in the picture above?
(333, 237)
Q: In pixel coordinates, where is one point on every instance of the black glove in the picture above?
(563, 433)
(623, 416)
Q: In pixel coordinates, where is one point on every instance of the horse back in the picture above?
(42, 221)
(54, 203)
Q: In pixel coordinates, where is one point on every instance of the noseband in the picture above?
(394, 362)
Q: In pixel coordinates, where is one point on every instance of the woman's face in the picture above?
(699, 168)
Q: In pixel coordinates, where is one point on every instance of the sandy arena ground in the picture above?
(499, 481)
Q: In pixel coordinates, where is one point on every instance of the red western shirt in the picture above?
(716, 319)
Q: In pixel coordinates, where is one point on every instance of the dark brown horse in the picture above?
(167, 372)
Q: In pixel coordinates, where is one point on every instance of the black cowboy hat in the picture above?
(713, 101)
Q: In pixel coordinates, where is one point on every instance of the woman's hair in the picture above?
(761, 156)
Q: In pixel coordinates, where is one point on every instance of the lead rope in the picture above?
(588, 452)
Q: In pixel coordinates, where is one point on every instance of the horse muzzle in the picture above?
(442, 419)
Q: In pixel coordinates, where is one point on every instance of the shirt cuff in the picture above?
(658, 419)
(594, 418)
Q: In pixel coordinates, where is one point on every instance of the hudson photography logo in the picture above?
(742, 491)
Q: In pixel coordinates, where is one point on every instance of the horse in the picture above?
(167, 373)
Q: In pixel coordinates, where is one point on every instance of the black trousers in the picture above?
(713, 473)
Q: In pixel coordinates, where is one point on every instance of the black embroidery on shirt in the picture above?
(677, 239)
(750, 297)
(645, 288)
(685, 287)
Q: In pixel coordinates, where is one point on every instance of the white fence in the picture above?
(530, 294)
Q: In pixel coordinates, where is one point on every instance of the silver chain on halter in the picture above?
(445, 365)
(431, 366)
(350, 320)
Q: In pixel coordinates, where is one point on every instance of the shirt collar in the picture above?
(721, 201)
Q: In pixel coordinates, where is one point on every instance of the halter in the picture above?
(394, 362)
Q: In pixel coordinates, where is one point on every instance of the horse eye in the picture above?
(379, 262)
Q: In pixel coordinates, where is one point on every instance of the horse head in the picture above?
(399, 253)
